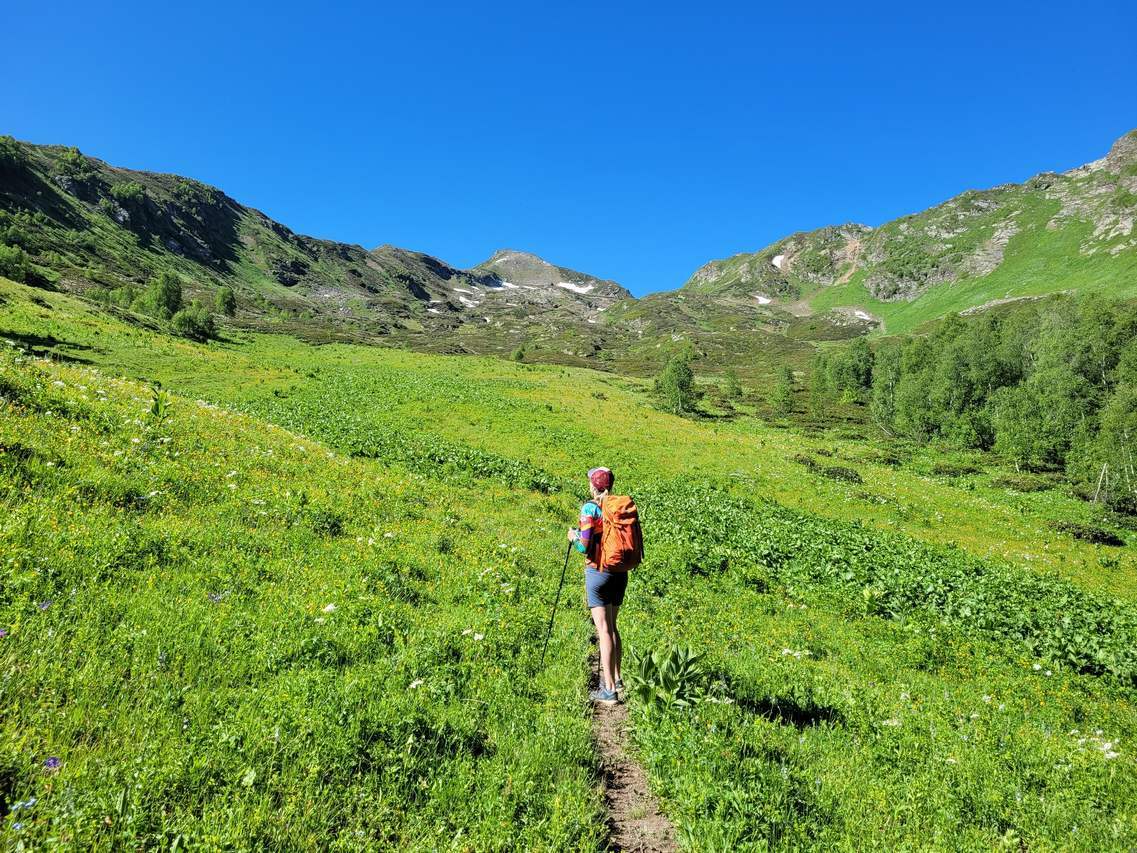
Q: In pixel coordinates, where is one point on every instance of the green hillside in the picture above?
(1055, 233)
(296, 598)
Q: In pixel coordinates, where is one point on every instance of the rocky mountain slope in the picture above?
(1019, 238)
(91, 228)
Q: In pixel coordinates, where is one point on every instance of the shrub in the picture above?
(1090, 533)
(128, 193)
(74, 164)
(676, 385)
(226, 301)
(194, 322)
(162, 297)
(14, 263)
(11, 155)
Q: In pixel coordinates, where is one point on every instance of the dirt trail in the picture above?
(635, 823)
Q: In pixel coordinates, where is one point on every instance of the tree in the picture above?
(162, 296)
(194, 322)
(783, 398)
(11, 155)
(14, 263)
(731, 387)
(676, 385)
(226, 301)
(820, 388)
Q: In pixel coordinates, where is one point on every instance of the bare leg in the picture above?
(617, 646)
(604, 636)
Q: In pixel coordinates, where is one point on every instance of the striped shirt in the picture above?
(591, 526)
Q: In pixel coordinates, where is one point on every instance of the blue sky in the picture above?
(631, 141)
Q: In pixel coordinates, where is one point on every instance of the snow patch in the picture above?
(576, 288)
(509, 284)
(763, 300)
(469, 303)
(778, 261)
(462, 290)
(862, 315)
(433, 311)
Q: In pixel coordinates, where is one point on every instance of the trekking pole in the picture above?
(553, 615)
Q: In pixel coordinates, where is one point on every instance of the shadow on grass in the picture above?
(46, 346)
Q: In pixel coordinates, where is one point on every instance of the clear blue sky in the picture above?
(631, 141)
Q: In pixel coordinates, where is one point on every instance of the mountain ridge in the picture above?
(91, 227)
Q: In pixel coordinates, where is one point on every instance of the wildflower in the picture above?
(43, 605)
(1048, 672)
(892, 722)
(951, 761)
(416, 684)
(479, 637)
(388, 535)
(136, 440)
(1109, 754)
(1037, 667)
(3, 633)
(467, 632)
(52, 763)
(329, 608)
(216, 597)
(986, 699)
(17, 826)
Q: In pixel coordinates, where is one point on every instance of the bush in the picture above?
(128, 194)
(1090, 533)
(74, 164)
(226, 302)
(162, 296)
(14, 263)
(11, 155)
(676, 385)
(194, 322)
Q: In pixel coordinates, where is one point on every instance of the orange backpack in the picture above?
(621, 540)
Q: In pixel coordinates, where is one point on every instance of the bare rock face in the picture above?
(1123, 154)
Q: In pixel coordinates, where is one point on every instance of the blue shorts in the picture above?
(605, 587)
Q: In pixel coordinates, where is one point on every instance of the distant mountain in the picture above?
(90, 227)
(1054, 232)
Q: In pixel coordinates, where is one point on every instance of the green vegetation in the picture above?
(225, 632)
(1048, 387)
(676, 385)
(225, 301)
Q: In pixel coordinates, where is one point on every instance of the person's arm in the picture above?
(584, 539)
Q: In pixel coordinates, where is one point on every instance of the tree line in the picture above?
(1051, 386)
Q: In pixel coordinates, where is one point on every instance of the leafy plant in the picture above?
(667, 679)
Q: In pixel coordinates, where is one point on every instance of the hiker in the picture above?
(610, 539)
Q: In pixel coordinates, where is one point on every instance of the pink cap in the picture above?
(601, 478)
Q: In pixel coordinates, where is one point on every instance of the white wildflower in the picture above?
(329, 608)
(467, 632)
(891, 722)
(479, 637)
(416, 684)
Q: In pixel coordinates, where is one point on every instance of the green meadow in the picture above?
(260, 594)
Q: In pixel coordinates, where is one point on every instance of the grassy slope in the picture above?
(889, 732)
(165, 593)
(557, 418)
(1037, 261)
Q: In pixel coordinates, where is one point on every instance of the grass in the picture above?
(1037, 261)
(879, 684)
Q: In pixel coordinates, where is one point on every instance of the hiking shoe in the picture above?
(607, 697)
(619, 685)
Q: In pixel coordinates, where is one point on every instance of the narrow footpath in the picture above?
(635, 823)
